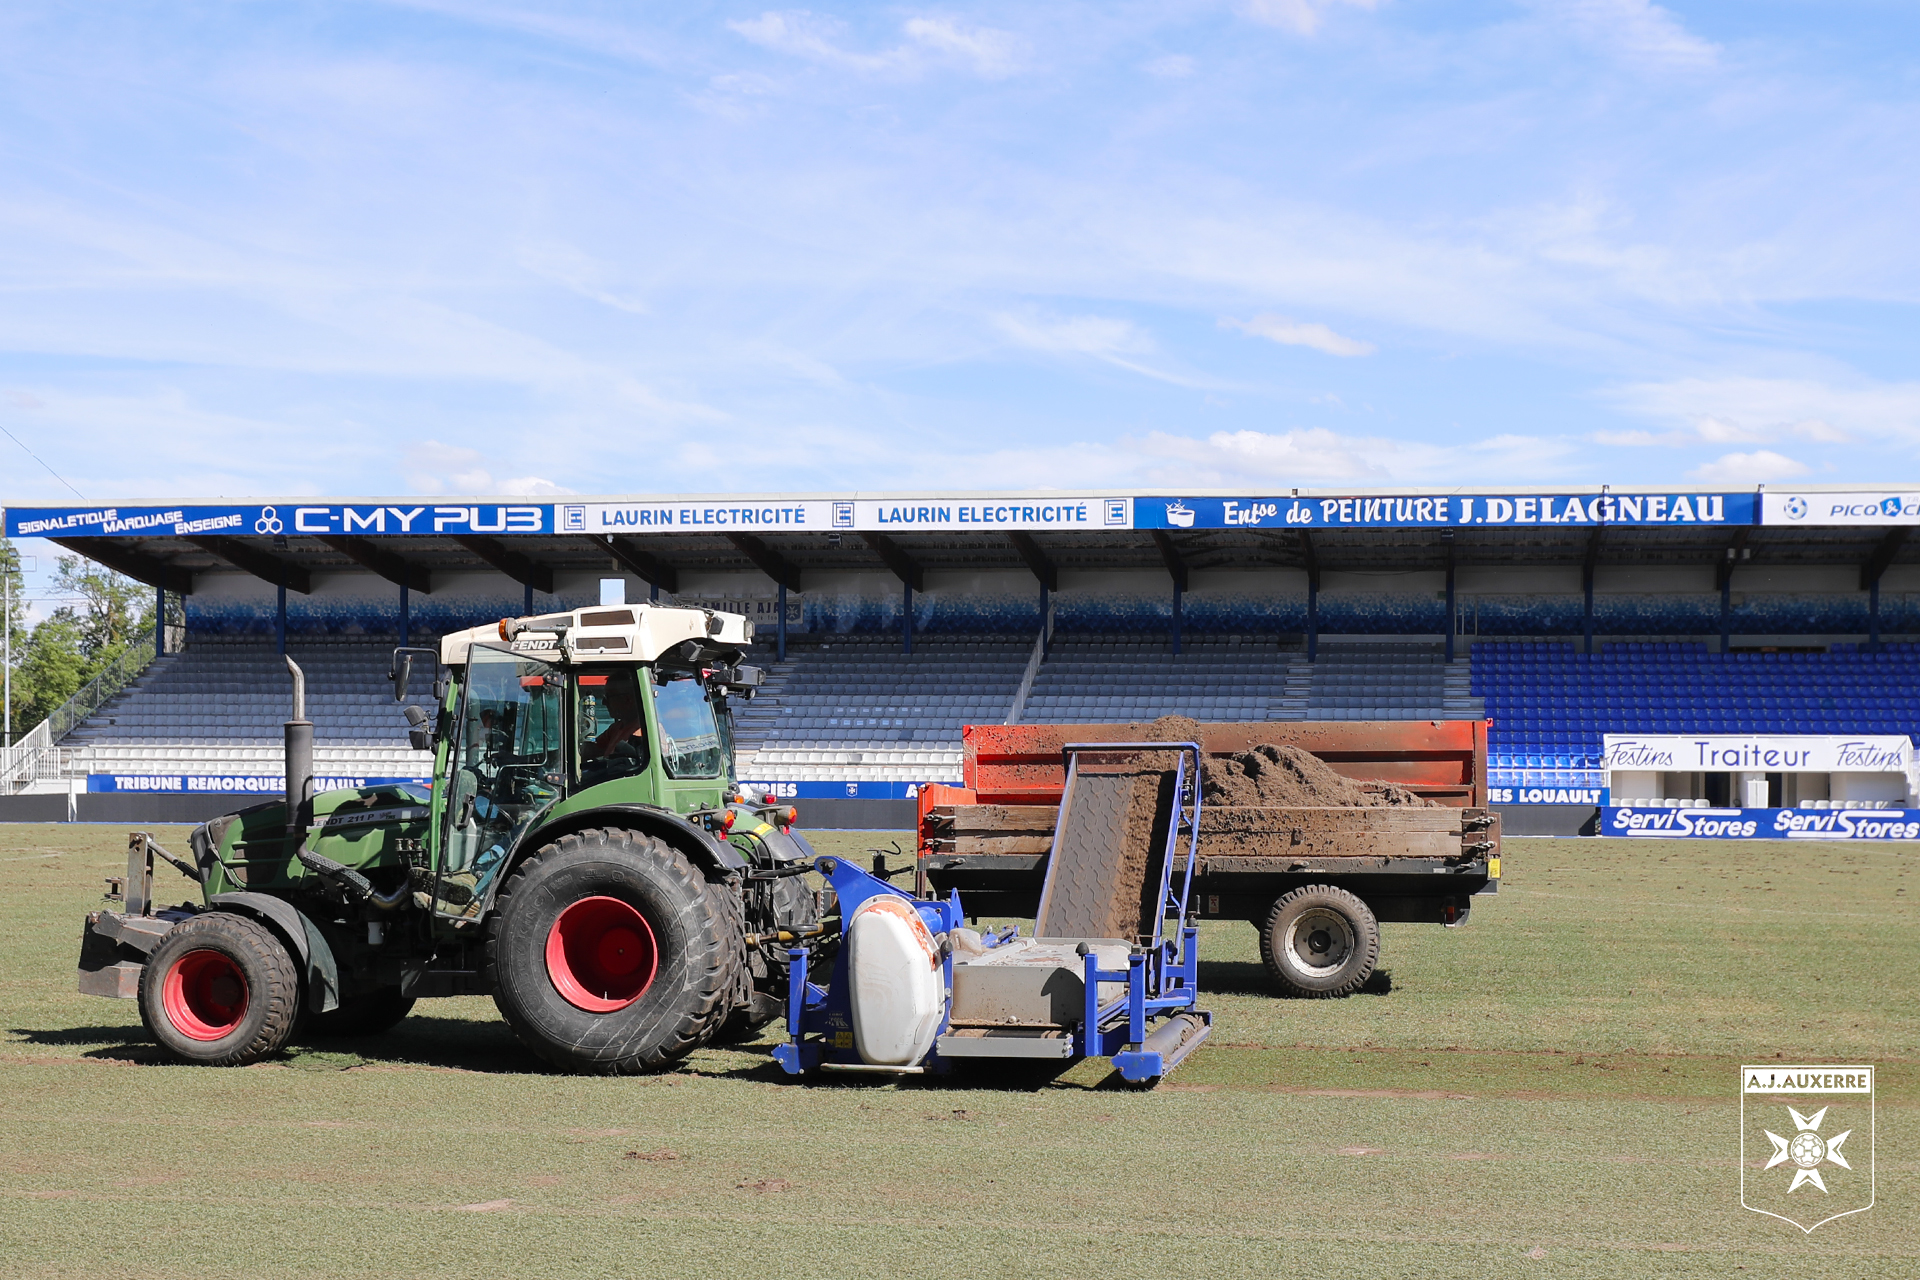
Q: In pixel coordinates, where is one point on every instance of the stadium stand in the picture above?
(860, 708)
(1094, 679)
(1383, 681)
(888, 622)
(1551, 703)
(219, 708)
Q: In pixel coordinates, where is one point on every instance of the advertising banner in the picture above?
(255, 520)
(754, 791)
(1424, 511)
(1546, 795)
(1869, 508)
(1760, 824)
(238, 784)
(762, 611)
(1049, 511)
(1758, 753)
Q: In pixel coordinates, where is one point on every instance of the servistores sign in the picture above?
(1772, 753)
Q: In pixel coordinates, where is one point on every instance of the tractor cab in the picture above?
(544, 717)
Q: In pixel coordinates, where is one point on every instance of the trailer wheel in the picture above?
(610, 954)
(220, 991)
(368, 1014)
(1320, 941)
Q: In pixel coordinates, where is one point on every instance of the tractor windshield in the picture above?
(509, 764)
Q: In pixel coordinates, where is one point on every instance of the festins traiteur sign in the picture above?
(1879, 508)
(1421, 510)
(1764, 753)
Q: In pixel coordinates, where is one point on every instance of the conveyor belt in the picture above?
(1106, 851)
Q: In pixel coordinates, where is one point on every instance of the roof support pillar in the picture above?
(767, 560)
(510, 562)
(1312, 562)
(368, 554)
(1737, 553)
(1177, 570)
(650, 568)
(262, 565)
(120, 559)
(903, 566)
(1586, 582)
(1036, 559)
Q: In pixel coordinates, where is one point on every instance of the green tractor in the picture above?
(583, 855)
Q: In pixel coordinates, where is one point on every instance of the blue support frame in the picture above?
(1161, 977)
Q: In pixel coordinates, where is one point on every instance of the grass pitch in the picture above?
(1548, 1091)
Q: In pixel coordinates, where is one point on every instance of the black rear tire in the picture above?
(367, 1014)
(1319, 942)
(602, 1027)
(220, 991)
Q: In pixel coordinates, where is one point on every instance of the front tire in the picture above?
(220, 991)
(1320, 942)
(610, 954)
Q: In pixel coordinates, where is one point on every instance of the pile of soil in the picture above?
(1289, 778)
(1114, 896)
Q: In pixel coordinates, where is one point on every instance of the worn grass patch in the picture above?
(1548, 1090)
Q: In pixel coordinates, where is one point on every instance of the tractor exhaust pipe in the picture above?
(299, 756)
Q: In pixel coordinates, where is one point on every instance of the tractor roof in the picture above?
(607, 633)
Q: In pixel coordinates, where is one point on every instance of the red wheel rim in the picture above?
(205, 995)
(601, 955)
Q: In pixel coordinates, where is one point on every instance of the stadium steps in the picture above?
(1296, 695)
(1457, 695)
(1378, 681)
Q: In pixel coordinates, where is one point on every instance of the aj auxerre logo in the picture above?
(1806, 1142)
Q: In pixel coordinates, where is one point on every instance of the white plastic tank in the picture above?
(899, 991)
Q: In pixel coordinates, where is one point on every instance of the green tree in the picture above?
(51, 669)
(113, 610)
(15, 611)
(78, 640)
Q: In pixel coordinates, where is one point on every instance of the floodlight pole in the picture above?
(6, 608)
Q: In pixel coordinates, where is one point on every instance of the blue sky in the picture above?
(438, 247)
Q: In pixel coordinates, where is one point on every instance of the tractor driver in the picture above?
(619, 749)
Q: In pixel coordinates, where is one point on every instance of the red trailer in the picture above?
(1314, 880)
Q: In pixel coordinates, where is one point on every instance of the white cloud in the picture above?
(1173, 66)
(1083, 335)
(1747, 468)
(990, 53)
(1295, 333)
(1298, 457)
(1765, 408)
(1639, 30)
(1715, 430)
(435, 468)
(1820, 432)
(802, 34)
(1303, 16)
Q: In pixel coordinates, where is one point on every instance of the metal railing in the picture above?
(37, 757)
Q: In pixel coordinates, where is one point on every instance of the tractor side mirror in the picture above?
(402, 668)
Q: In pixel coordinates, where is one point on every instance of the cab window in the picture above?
(689, 737)
(612, 725)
